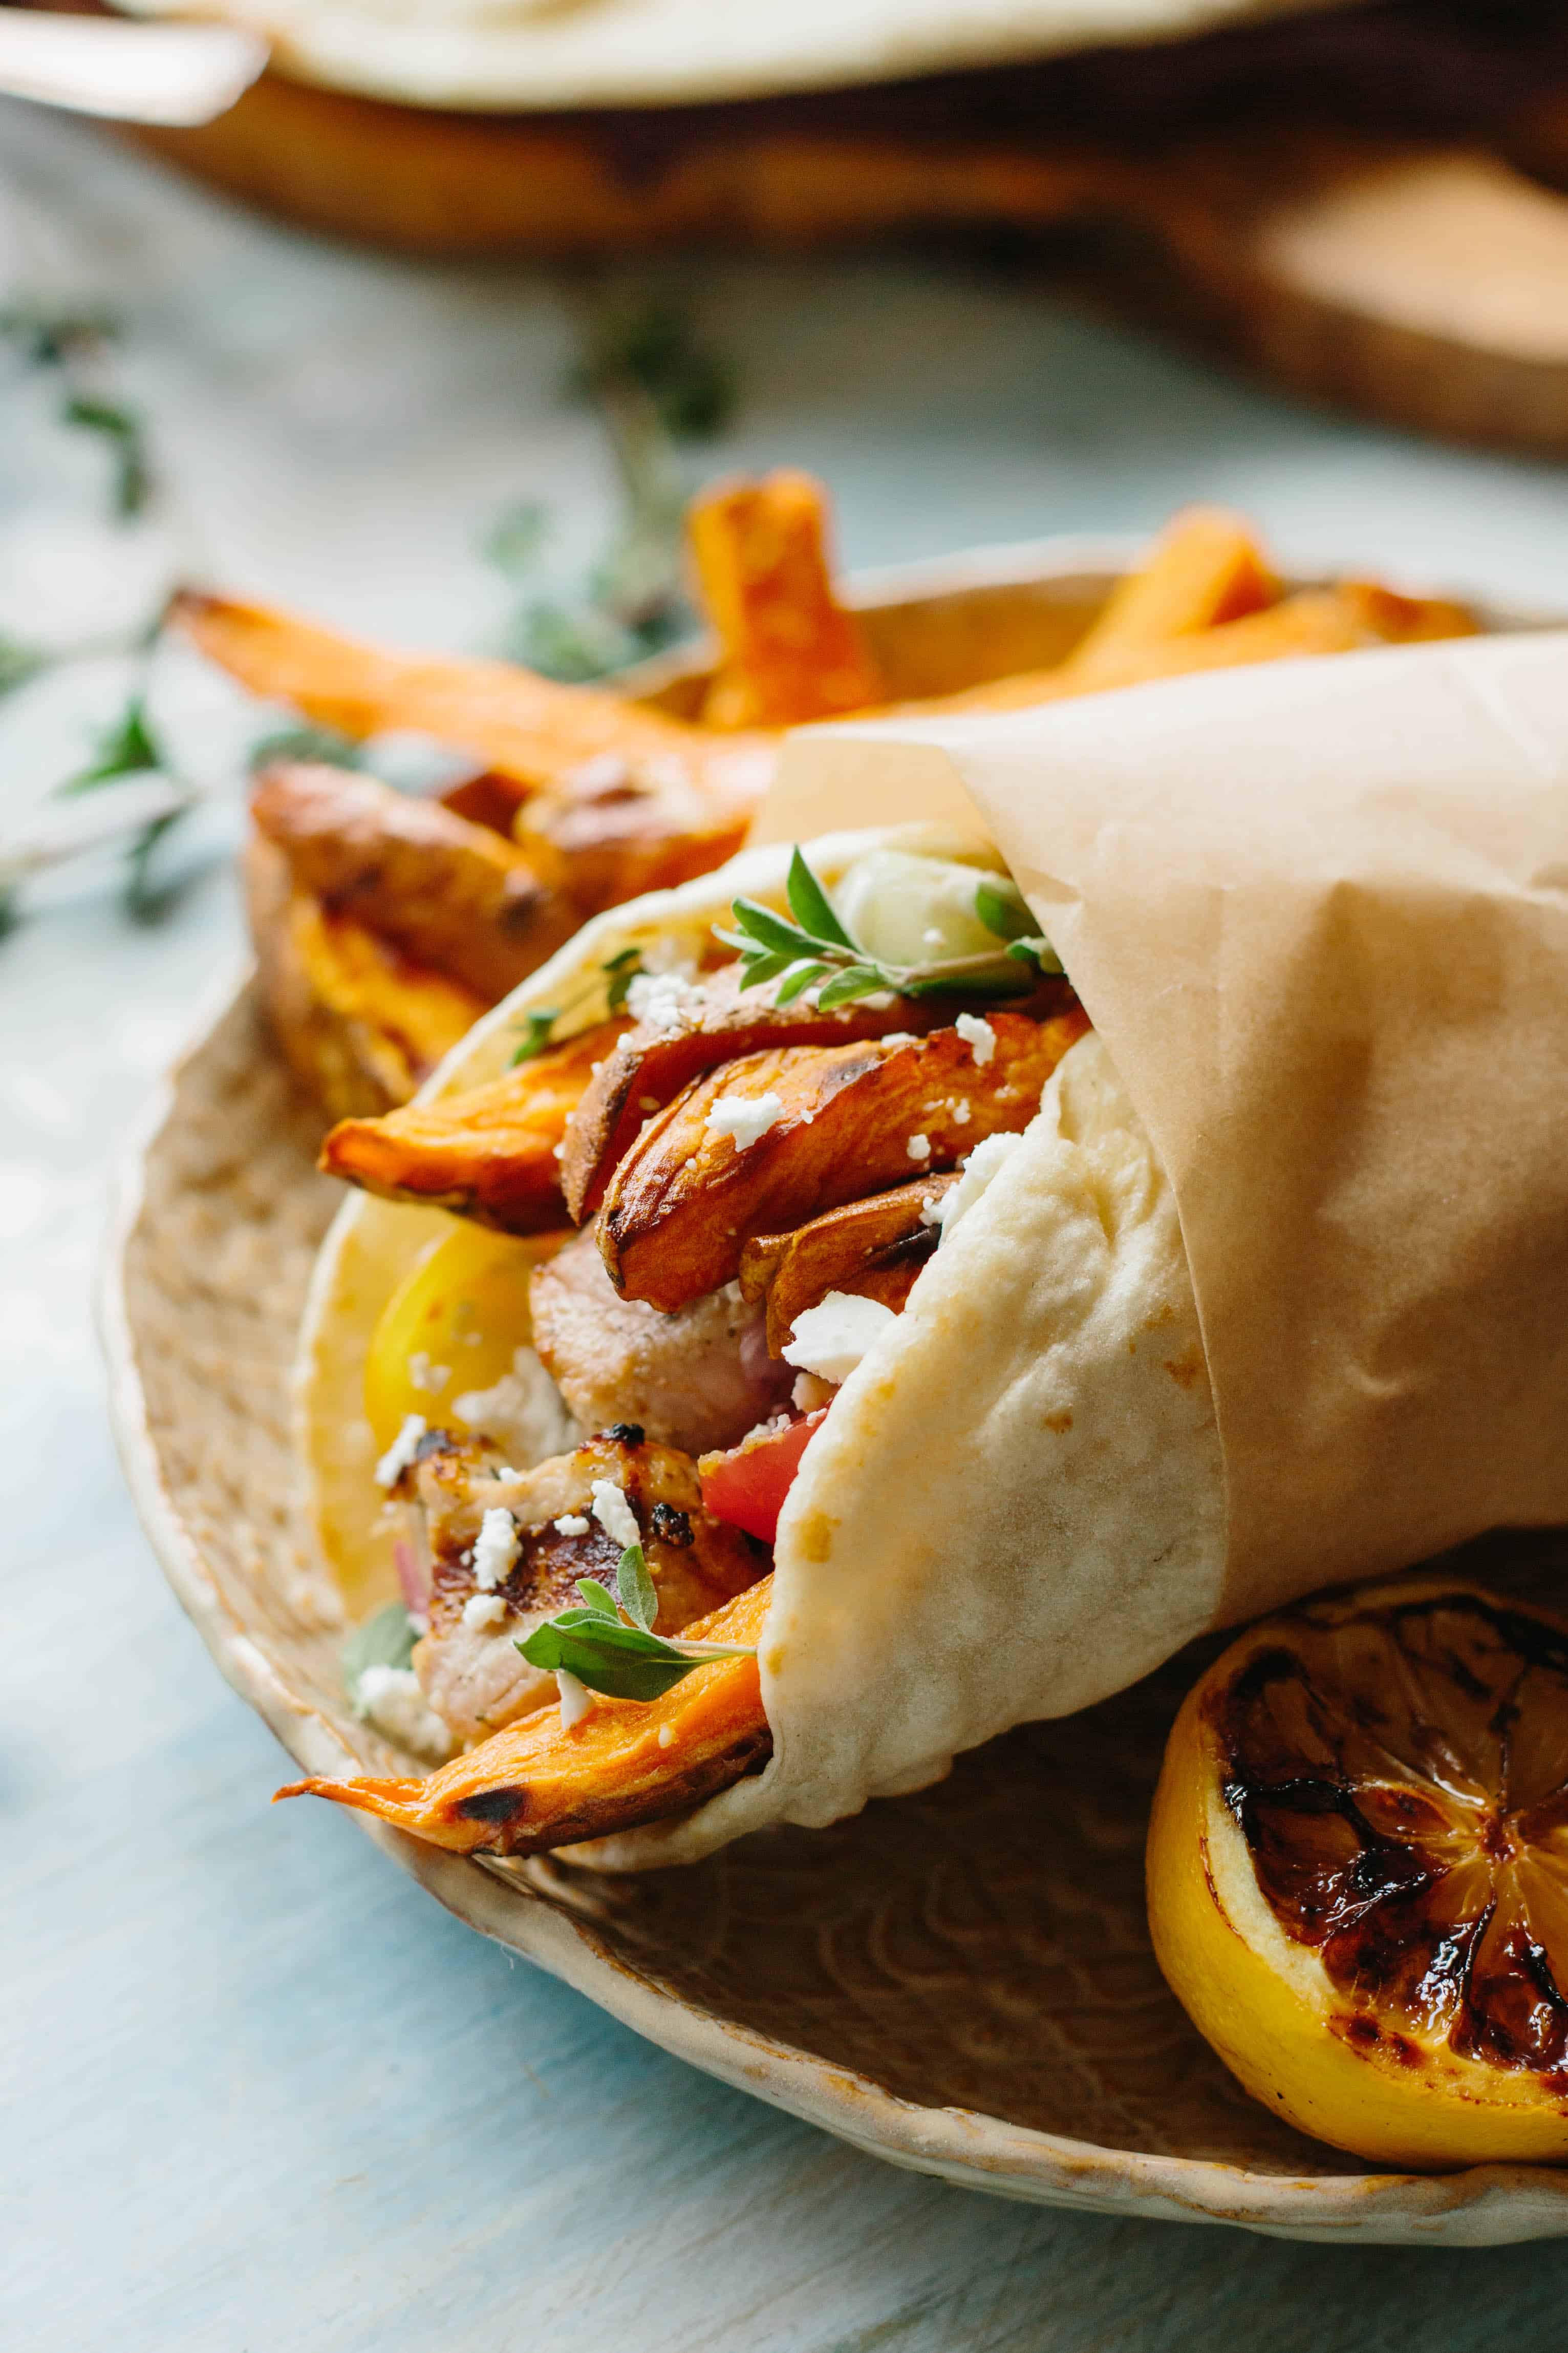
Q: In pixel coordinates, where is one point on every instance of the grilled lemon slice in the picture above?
(1358, 1872)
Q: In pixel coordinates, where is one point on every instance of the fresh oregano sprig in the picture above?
(608, 1640)
(538, 1029)
(814, 950)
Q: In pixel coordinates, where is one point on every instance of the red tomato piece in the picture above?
(748, 1485)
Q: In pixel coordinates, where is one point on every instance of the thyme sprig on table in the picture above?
(815, 951)
(608, 1640)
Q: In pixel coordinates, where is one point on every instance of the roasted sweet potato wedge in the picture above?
(1205, 569)
(621, 824)
(848, 1121)
(875, 1247)
(538, 1785)
(361, 1024)
(488, 1155)
(789, 651)
(453, 894)
(714, 1025)
(521, 725)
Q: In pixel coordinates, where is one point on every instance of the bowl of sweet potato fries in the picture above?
(385, 924)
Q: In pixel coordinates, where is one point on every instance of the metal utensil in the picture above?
(125, 72)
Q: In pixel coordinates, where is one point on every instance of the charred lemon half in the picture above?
(1358, 1872)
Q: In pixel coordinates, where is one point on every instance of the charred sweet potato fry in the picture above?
(875, 1247)
(651, 1064)
(453, 894)
(790, 652)
(1206, 568)
(850, 1119)
(538, 1785)
(521, 726)
(619, 825)
(488, 1155)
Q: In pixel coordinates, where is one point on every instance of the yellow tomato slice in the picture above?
(453, 1324)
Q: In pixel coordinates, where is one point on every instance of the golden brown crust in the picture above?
(489, 1154)
(359, 1024)
(454, 895)
(875, 1248)
(685, 1200)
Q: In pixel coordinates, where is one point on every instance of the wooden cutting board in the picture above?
(1362, 204)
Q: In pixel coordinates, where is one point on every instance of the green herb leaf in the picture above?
(536, 1028)
(636, 1588)
(126, 435)
(386, 1639)
(809, 903)
(860, 980)
(127, 749)
(148, 900)
(305, 741)
(623, 970)
(770, 930)
(761, 966)
(1038, 953)
(597, 1599)
(1002, 908)
(799, 979)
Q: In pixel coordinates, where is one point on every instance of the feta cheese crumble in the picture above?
(919, 1147)
(402, 1450)
(576, 1699)
(496, 1548)
(522, 1412)
(663, 1000)
(391, 1699)
(482, 1612)
(745, 1117)
(900, 1037)
(615, 1515)
(572, 1523)
(960, 1111)
(977, 1035)
(424, 1375)
(831, 1338)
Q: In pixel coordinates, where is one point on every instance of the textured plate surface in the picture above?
(960, 1981)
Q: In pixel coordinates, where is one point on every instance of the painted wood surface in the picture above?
(257, 2091)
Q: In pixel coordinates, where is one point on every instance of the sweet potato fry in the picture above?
(360, 1023)
(521, 726)
(455, 895)
(685, 1200)
(627, 1762)
(1206, 568)
(790, 652)
(651, 1064)
(875, 1247)
(619, 827)
(488, 1155)
(1392, 619)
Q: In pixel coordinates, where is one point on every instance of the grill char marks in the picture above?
(1396, 1821)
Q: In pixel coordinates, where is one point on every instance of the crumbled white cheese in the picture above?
(930, 1211)
(424, 1375)
(667, 1735)
(807, 1394)
(919, 1147)
(401, 1451)
(831, 1338)
(576, 1699)
(391, 1699)
(978, 1170)
(483, 1613)
(615, 1515)
(496, 1549)
(900, 1037)
(978, 1035)
(959, 1111)
(664, 1000)
(572, 1523)
(745, 1117)
(524, 1413)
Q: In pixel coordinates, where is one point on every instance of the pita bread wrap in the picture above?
(500, 54)
(1273, 1291)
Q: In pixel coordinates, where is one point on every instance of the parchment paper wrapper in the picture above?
(1319, 912)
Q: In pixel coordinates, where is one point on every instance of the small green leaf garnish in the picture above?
(593, 1643)
(126, 437)
(536, 1028)
(126, 749)
(386, 1639)
(811, 949)
(636, 1588)
(623, 970)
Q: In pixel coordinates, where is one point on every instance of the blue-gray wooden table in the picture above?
(258, 2091)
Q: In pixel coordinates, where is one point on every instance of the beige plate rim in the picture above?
(1480, 2206)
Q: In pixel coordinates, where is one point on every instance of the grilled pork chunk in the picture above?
(492, 1585)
